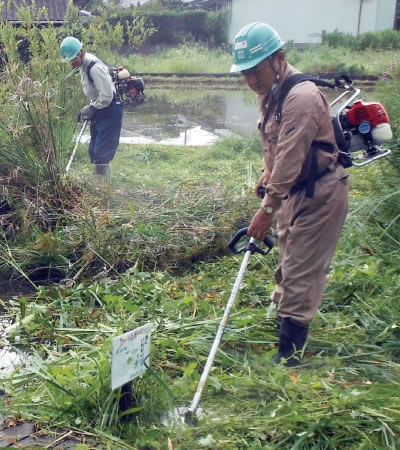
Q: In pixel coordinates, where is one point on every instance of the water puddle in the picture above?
(9, 358)
(194, 116)
(192, 136)
(188, 117)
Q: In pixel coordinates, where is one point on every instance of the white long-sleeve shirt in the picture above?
(101, 91)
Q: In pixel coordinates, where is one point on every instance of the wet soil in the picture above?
(11, 287)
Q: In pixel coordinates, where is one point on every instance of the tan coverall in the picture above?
(308, 228)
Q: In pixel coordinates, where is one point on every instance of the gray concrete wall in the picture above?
(303, 21)
(367, 13)
(385, 14)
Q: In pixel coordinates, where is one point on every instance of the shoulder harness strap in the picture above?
(288, 84)
(90, 65)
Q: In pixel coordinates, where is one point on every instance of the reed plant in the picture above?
(36, 129)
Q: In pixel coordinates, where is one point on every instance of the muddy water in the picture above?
(194, 116)
(9, 359)
(10, 290)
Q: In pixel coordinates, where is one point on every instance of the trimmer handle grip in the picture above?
(345, 83)
(261, 191)
(268, 242)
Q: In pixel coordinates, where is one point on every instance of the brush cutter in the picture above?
(190, 415)
(76, 146)
(360, 127)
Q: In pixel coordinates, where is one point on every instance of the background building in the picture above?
(302, 21)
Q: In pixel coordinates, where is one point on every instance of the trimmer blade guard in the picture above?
(364, 158)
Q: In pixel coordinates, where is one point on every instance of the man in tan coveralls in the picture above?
(309, 220)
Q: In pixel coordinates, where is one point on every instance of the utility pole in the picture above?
(396, 16)
(359, 17)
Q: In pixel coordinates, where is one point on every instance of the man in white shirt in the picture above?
(104, 110)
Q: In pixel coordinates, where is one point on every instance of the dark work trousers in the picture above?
(105, 130)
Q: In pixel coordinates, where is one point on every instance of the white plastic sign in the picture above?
(130, 353)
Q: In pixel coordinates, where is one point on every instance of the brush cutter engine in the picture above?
(364, 127)
(130, 89)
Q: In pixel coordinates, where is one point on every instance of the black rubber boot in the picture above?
(103, 170)
(292, 339)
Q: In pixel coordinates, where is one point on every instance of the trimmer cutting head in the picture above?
(182, 416)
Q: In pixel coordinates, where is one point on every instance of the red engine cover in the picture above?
(372, 112)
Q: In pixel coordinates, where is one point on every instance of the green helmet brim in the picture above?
(247, 65)
(69, 58)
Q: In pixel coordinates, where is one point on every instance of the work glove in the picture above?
(86, 113)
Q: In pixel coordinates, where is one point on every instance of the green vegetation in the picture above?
(175, 27)
(192, 58)
(178, 206)
(343, 60)
(152, 248)
(338, 53)
(378, 40)
(344, 397)
(199, 59)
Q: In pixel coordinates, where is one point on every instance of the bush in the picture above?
(338, 39)
(176, 27)
(386, 39)
(217, 28)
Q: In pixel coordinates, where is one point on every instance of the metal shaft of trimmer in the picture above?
(191, 412)
(78, 140)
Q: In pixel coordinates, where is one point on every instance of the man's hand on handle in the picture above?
(260, 224)
(86, 113)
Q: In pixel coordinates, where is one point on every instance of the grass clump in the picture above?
(185, 58)
(169, 207)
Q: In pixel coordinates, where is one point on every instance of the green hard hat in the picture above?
(252, 44)
(69, 48)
